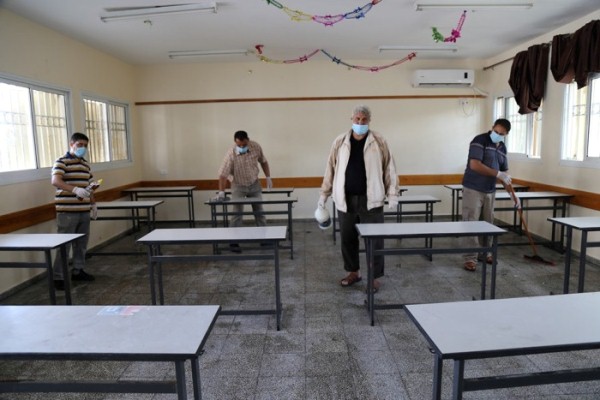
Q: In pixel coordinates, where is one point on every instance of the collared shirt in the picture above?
(242, 169)
(76, 172)
(483, 149)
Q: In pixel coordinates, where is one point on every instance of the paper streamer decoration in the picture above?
(327, 20)
(455, 34)
(259, 54)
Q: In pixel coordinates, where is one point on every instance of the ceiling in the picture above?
(243, 24)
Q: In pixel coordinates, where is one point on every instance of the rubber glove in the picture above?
(393, 203)
(269, 183)
(504, 177)
(322, 201)
(81, 193)
(517, 202)
(94, 212)
(220, 196)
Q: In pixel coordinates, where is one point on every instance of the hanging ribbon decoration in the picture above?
(327, 20)
(259, 54)
(455, 34)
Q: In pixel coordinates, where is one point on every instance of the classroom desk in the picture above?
(148, 206)
(336, 228)
(106, 333)
(471, 330)
(279, 190)
(456, 193)
(166, 192)
(585, 225)
(45, 242)
(271, 235)
(559, 205)
(274, 200)
(372, 232)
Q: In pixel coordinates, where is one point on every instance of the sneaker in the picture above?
(59, 284)
(82, 276)
(235, 248)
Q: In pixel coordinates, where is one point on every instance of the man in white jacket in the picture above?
(359, 176)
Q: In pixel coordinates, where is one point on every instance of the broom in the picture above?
(535, 257)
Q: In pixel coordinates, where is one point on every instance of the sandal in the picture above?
(375, 288)
(470, 266)
(350, 280)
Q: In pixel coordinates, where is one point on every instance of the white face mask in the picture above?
(496, 137)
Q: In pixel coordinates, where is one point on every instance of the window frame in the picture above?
(35, 174)
(111, 164)
(513, 155)
(586, 162)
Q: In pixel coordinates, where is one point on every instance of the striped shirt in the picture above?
(76, 172)
(242, 169)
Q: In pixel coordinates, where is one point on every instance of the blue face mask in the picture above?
(80, 152)
(360, 129)
(496, 138)
(242, 150)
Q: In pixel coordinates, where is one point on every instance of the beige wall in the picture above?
(427, 136)
(38, 54)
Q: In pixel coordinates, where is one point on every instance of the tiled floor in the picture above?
(326, 348)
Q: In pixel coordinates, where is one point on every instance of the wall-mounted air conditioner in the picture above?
(443, 77)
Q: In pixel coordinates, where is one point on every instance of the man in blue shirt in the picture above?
(487, 164)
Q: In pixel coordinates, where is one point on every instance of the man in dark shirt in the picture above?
(487, 164)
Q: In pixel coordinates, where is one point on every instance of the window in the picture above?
(581, 130)
(106, 125)
(526, 129)
(33, 126)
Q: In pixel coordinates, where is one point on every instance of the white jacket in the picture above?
(382, 179)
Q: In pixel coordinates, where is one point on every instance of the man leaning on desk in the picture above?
(487, 164)
(240, 166)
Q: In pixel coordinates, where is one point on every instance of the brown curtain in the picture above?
(528, 76)
(586, 52)
(561, 59)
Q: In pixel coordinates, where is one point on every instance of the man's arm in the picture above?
(482, 169)
(266, 169)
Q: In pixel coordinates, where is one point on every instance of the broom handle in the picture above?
(513, 195)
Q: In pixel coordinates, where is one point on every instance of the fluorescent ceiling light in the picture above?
(202, 53)
(121, 14)
(443, 47)
(421, 5)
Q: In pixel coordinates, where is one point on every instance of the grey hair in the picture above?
(362, 110)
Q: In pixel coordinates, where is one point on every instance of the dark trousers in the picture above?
(357, 213)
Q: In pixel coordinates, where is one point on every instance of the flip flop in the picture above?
(350, 280)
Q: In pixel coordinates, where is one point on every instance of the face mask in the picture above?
(496, 138)
(360, 129)
(242, 150)
(80, 152)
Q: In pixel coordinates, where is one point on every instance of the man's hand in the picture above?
(393, 203)
(517, 202)
(94, 212)
(81, 193)
(269, 183)
(220, 196)
(504, 177)
(322, 201)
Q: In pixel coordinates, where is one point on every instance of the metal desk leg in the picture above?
(483, 277)
(459, 379)
(438, 364)
(277, 286)
(582, 256)
(161, 291)
(66, 273)
(196, 379)
(494, 265)
(568, 259)
(370, 246)
(191, 213)
(291, 230)
(180, 374)
(50, 277)
(151, 252)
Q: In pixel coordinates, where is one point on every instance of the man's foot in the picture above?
(488, 259)
(235, 248)
(82, 276)
(59, 284)
(351, 279)
(470, 266)
(376, 286)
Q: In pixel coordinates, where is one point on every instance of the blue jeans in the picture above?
(73, 222)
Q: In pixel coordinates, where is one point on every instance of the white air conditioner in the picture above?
(443, 77)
